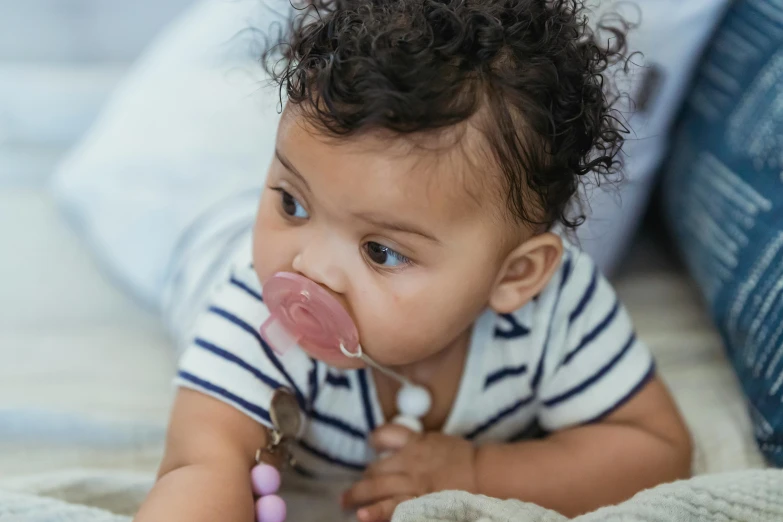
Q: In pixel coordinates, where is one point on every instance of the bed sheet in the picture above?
(84, 372)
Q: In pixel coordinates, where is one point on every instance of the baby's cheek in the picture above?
(419, 328)
(388, 333)
(261, 243)
(261, 259)
(273, 251)
(403, 322)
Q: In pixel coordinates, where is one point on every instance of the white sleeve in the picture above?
(227, 358)
(593, 362)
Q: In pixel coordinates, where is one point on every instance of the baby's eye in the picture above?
(291, 206)
(385, 256)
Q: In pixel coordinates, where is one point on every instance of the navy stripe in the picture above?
(313, 383)
(267, 350)
(499, 417)
(239, 284)
(328, 458)
(590, 381)
(540, 367)
(590, 337)
(566, 272)
(576, 312)
(224, 354)
(625, 398)
(201, 383)
(501, 374)
(362, 375)
(338, 381)
(339, 424)
(322, 417)
(325, 419)
(302, 471)
(530, 432)
(235, 320)
(517, 330)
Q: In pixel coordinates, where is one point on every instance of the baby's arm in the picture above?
(205, 473)
(640, 445)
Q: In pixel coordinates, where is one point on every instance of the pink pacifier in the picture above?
(300, 310)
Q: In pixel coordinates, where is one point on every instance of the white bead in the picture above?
(413, 401)
(411, 423)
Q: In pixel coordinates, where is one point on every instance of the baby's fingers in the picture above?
(392, 437)
(381, 511)
(375, 489)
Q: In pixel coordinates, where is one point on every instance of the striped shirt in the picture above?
(568, 357)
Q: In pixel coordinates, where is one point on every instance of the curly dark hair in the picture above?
(409, 66)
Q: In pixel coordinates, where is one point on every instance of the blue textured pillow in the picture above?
(723, 196)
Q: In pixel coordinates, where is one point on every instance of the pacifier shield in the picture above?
(307, 314)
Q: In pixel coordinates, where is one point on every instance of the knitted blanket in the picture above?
(85, 496)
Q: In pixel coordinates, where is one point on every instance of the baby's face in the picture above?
(408, 240)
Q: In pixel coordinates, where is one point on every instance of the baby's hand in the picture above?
(419, 464)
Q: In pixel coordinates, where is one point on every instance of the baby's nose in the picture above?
(327, 273)
(320, 267)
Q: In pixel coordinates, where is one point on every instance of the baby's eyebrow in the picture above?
(287, 164)
(398, 226)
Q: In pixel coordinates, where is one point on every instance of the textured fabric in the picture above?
(724, 200)
(570, 356)
(85, 496)
(744, 496)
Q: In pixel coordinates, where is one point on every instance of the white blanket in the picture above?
(752, 496)
(747, 496)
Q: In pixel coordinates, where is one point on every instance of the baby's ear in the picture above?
(526, 271)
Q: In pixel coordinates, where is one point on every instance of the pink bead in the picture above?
(265, 479)
(270, 508)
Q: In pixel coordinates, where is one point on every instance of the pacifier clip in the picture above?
(300, 310)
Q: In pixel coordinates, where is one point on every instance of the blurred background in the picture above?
(59, 61)
(63, 321)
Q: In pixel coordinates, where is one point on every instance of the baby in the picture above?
(427, 151)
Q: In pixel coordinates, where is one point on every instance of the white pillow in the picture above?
(191, 127)
(670, 39)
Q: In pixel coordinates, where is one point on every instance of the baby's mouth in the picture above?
(304, 313)
(304, 317)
